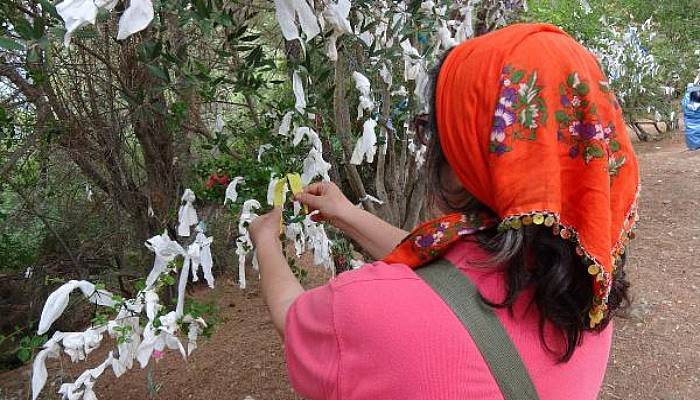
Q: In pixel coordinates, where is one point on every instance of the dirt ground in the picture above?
(656, 353)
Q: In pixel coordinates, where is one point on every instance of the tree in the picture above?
(125, 113)
(646, 48)
(134, 116)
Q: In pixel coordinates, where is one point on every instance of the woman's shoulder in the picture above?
(377, 271)
(464, 255)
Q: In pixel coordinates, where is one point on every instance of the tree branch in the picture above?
(342, 128)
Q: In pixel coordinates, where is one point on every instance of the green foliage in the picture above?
(99, 319)
(123, 333)
(26, 346)
(19, 248)
(208, 311)
(206, 58)
(675, 22)
(342, 252)
(659, 31)
(235, 153)
(299, 272)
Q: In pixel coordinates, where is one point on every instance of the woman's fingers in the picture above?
(325, 197)
(266, 226)
(312, 201)
(316, 189)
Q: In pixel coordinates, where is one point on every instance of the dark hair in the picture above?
(532, 258)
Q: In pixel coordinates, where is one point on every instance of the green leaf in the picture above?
(37, 341)
(517, 76)
(50, 8)
(25, 30)
(561, 116)
(202, 9)
(103, 15)
(168, 280)
(9, 44)
(595, 151)
(570, 80)
(582, 89)
(614, 145)
(158, 72)
(99, 319)
(151, 49)
(24, 354)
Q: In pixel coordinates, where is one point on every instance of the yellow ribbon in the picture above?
(295, 185)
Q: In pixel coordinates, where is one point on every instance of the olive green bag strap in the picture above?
(485, 328)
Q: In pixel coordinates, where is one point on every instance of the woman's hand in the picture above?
(377, 237)
(265, 229)
(328, 199)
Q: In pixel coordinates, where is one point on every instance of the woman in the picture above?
(537, 180)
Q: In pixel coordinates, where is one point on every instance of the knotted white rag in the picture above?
(187, 215)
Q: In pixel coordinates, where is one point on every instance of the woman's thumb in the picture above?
(276, 212)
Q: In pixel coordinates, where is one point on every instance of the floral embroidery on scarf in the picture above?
(580, 128)
(431, 239)
(520, 110)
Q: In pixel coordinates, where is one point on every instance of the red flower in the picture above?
(216, 179)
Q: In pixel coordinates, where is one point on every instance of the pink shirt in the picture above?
(380, 332)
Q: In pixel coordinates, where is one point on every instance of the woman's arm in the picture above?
(278, 285)
(277, 282)
(373, 234)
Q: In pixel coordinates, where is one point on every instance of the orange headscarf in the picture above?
(528, 123)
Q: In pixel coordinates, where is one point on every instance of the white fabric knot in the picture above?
(243, 243)
(135, 18)
(314, 165)
(336, 15)
(298, 87)
(57, 301)
(231, 193)
(187, 215)
(287, 12)
(363, 86)
(366, 146)
(310, 134)
(166, 250)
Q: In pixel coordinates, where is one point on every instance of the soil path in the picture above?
(656, 352)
